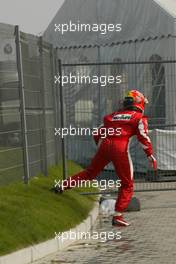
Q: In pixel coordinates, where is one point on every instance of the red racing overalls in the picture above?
(114, 148)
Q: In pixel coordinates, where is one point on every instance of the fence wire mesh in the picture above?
(27, 68)
(32, 105)
(86, 103)
(11, 157)
(40, 103)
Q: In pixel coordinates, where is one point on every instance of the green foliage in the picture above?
(32, 213)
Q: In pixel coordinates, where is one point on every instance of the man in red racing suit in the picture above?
(120, 127)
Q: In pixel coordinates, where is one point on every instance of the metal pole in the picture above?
(99, 89)
(63, 143)
(22, 104)
(55, 98)
(116, 63)
(44, 140)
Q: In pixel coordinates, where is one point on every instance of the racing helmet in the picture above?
(135, 99)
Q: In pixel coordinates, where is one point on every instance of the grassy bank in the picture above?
(11, 165)
(32, 214)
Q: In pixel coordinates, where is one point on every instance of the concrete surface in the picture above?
(151, 238)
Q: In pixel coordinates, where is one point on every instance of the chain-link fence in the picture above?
(29, 105)
(87, 101)
(11, 151)
(32, 105)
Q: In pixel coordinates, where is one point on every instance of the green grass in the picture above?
(8, 159)
(30, 214)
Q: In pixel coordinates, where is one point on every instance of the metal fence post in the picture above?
(44, 143)
(22, 104)
(99, 89)
(55, 99)
(63, 143)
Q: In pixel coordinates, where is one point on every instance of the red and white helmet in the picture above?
(136, 99)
